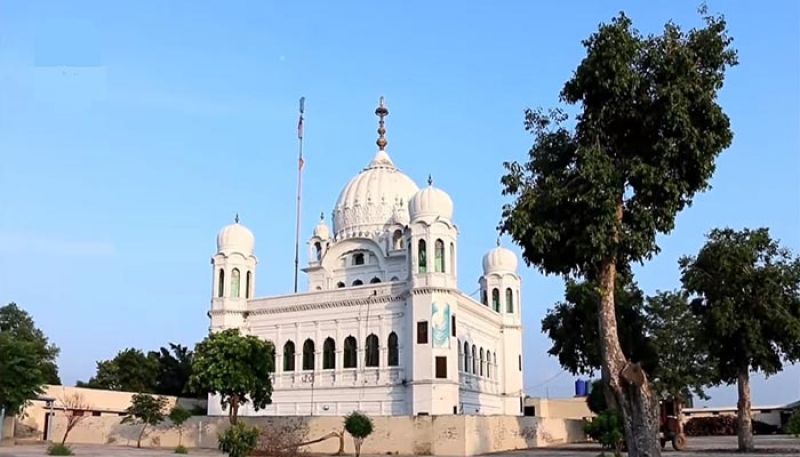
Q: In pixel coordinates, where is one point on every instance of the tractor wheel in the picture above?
(679, 442)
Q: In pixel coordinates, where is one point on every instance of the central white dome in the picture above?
(374, 198)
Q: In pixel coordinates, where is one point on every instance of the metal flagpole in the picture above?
(300, 164)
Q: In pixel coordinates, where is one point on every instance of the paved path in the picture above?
(724, 446)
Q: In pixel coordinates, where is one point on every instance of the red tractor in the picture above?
(670, 427)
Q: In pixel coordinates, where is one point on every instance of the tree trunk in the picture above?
(141, 434)
(341, 443)
(627, 381)
(744, 426)
(233, 410)
(357, 444)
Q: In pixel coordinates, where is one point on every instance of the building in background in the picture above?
(34, 421)
(383, 327)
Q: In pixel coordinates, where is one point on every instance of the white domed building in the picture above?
(383, 327)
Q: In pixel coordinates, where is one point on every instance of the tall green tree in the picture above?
(21, 377)
(682, 368)
(20, 325)
(27, 359)
(174, 370)
(129, 371)
(571, 325)
(592, 199)
(235, 367)
(749, 306)
(659, 332)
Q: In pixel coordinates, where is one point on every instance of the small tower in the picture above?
(234, 274)
(431, 237)
(500, 291)
(317, 248)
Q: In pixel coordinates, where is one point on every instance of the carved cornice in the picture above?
(345, 303)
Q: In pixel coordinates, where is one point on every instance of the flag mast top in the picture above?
(300, 163)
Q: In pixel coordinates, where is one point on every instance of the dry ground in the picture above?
(774, 446)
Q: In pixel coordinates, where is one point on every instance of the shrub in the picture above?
(793, 426)
(606, 429)
(181, 450)
(360, 427)
(59, 449)
(238, 440)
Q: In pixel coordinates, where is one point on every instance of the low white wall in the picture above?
(404, 435)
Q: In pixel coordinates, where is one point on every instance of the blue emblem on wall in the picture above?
(440, 322)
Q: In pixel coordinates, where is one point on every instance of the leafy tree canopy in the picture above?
(683, 366)
(660, 332)
(572, 326)
(748, 290)
(174, 370)
(129, 371)
(237, 368)
(163, 372)
(20, 325)
(21, 377)
(644, 143)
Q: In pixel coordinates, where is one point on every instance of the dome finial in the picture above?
(430, 180)
(381, 111)
(236, 218)
(322, 216)
(498, 241)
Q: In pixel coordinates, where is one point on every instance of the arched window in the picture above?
(488, 364)
(221, 283)
(452, 258)
(460, 357)
(358, 282)
(438, 256)
(288, 356)
(358, 259)
(483, 363)
(466, 357)
(340, 284)
(372, 355)
(329, 354)
(496, 300)
(397, 239)
(423, 256)
(308, 355)
(484, 300)
(394, 278)
(375, 280)
(350, 349)
(474, 360)
(248, 284)
(394, 353)
(318, 251)
(235, 279)
(509, 300)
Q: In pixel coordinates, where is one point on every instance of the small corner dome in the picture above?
(236, 238)
(431, 201)
(499, 260)
(321, 231)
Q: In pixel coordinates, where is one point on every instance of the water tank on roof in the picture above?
(580, 388)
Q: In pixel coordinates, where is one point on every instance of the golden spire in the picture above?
(381, 111)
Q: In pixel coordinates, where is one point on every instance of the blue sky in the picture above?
(131, 132)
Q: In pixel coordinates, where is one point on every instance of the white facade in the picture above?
(383, 327)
